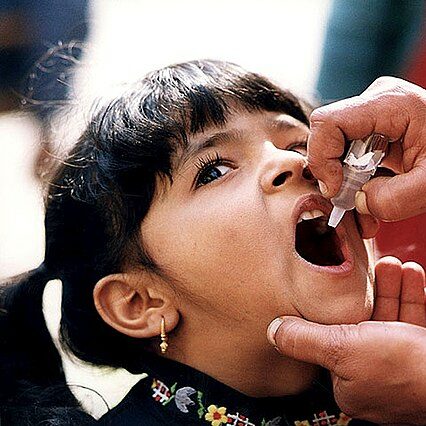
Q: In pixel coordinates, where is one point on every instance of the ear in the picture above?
(134, 307)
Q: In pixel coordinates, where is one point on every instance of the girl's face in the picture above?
(227, 230)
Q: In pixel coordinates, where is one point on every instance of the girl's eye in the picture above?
(210, 169)
(300, 147)
(211, 173)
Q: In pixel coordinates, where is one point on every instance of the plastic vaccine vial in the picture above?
(359, 165)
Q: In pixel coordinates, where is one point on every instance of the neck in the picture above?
(245, 362)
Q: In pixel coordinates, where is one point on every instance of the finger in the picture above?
(368, 225)
(398, 197)
(349, 119)
(388, 271)
(325, 345)
(361, 203)
(360, 197)
(412, 309)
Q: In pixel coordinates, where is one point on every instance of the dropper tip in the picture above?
(336, 216)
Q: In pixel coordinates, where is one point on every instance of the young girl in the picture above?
(182, 222)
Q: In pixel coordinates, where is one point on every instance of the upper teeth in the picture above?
(309, 215)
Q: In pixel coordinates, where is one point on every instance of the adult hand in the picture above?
(378, 367)
(392, 107)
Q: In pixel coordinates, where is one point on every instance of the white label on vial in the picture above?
(364, 163)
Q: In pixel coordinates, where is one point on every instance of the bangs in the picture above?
(188, 98)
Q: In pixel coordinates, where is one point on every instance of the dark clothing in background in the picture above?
(364, 40)
(43, 24)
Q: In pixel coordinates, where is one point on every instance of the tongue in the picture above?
(318, 243)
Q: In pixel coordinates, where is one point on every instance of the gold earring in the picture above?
(163, 345)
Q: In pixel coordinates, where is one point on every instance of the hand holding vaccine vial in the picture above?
(359, 166)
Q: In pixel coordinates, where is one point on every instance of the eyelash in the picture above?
(204, 164)
(210, 161)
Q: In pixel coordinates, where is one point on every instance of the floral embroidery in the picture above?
(276, 421)
(216, 415)
(161, 392)
(343, 420)
(182, 398)
(172, 394)
(323, 419)
(239, 420)
(201, 408)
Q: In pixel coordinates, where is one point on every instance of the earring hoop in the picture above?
(163, 345)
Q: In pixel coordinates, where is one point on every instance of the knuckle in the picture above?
(399, 93)
(386, 82)
(418, 100)
(340, 349)
(320, 115)
(333, 114)
(387, 79)
(333, 169)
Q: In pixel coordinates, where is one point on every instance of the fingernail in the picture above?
(323, 187)
(272, 329)
(361, 203)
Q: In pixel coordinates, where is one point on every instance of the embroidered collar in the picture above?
(174, 393)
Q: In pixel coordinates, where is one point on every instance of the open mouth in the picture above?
(316, 242)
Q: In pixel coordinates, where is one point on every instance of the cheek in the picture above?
(225, 251)
(214, 238)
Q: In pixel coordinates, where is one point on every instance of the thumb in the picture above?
(395, 198)
(325, 345)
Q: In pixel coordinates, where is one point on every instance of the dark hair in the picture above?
(100, 194)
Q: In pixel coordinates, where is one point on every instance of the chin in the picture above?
(350, 316)
(346, 308)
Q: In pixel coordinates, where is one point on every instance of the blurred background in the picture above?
(57, 56)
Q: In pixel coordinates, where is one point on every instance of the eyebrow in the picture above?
(229, 136)
(215, 140)
(284, 125)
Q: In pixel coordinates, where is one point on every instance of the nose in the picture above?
(283, 168)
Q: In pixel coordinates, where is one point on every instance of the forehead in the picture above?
(243, 124)
(265, 120)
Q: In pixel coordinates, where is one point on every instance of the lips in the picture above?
(319, 246)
